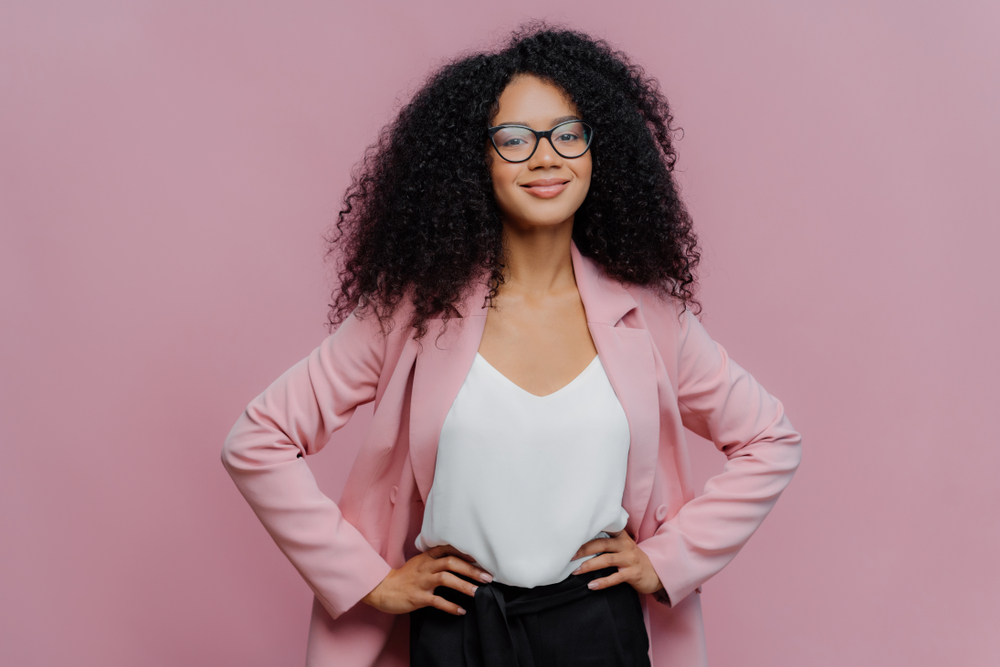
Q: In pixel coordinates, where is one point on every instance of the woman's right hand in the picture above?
(412, 586)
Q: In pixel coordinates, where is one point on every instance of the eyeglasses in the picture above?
(517, 143)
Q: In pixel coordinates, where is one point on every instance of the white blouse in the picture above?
(522, 481)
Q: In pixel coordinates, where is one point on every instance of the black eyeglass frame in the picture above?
(547, 134)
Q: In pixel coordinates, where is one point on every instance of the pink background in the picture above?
(167, 170)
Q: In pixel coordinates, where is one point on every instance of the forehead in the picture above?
(529, 100)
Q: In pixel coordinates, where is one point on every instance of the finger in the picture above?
(442, 550)
(595, 546)
(451, 581)
(596, 563)
(606, 582)
(462, 567)
(449, 550)
(439, 602)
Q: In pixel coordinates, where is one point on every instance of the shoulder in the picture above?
(363, 329)
(659, 312)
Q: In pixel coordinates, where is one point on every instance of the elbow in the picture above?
(797, 457)
(786, 455)
(797, 449)
(777, 455)
(236, 448)
(253, 445)
(792, 441)
(228, 456)
(787, 450)
(783, 445)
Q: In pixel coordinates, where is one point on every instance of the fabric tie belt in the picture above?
(494, 633)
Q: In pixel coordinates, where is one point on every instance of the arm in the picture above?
(264, 452)
(721, 402)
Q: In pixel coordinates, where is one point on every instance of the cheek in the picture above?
(584, 174)
(588, 170)
(504, 179)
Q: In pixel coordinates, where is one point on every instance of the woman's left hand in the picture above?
(622, 552)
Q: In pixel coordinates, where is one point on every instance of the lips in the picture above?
(546, 188)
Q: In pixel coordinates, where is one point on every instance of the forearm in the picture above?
(264, 454)
(335, 560)
(709, 530)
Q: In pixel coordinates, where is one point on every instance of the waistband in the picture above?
(494, 619)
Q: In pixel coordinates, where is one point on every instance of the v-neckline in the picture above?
(504, 378)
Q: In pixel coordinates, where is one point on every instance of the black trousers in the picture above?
(547, 626)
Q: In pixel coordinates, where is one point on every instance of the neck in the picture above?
(538, 259)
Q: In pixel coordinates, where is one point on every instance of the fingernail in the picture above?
(474, 589)
(576, 571)
(486, 576)
(592, 585)
(461, 612)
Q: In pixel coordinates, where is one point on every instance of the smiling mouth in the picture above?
(546, 189)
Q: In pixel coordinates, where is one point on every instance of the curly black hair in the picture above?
(420, 222)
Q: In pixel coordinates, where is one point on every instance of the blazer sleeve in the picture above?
(264, 451)
(721, 402)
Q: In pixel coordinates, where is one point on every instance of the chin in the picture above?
(526, 222)
(544, 216)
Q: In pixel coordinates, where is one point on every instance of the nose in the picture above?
(545, 155)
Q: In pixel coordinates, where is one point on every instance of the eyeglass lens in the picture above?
(569, 139)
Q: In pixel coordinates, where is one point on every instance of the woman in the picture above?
(515, 299)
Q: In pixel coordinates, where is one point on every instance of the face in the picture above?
(547, 189)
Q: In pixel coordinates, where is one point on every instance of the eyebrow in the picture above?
(561, 119)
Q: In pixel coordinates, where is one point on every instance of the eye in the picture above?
(513, 142)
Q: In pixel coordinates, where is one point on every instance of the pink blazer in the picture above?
(668, 374)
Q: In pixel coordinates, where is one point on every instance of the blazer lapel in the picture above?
(441, 367)
(627, 357)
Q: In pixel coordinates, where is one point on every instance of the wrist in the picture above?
(374, 597)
